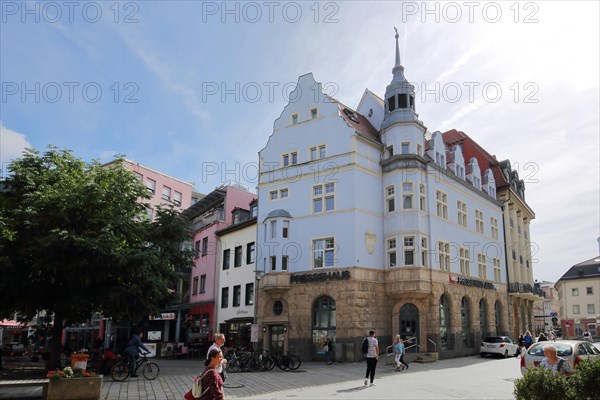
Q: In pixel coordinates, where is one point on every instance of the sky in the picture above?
(192, 88)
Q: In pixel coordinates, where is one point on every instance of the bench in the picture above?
(27, 382)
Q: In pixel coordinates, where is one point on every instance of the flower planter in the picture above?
(75, 388)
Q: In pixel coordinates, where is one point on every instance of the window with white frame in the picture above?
(441, 204)
(295, 119)
(422, 198)
(284, 263)
(151, 185)
(286, 229)
(390, 198)
(250, 252)
(409, 250)
(323, 251)
(138, 176)
(226, 259)
(290, 158)
(273, 229)
(424, 251)
(575, 308)
(273, 260)
(202, 288)
(497, 271)
(494, 227)
(323, 197)
(249, 294)
(481, 265)
(166, 193)
(237, 295)
(283, 193)
(195, 286)
(224, 297)
(273, 194)
(575, 292)
(444, 255)
(405, 147)
(322, 151)
(465, 268)
(177, 198)
(589, 290)
(313, 153)
(591, 309)
(407, 195)
(150, 213)
(391, 252)
(479, 221)
(237, 257)
(419, 149)
(461, 208)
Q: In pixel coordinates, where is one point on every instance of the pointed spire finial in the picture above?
(397, 49)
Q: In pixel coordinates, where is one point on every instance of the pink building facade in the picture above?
(208, 215)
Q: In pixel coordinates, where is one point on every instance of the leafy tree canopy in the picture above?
(75, 239)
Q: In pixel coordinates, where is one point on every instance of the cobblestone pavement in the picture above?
(462, 378)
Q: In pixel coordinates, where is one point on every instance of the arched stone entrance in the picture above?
(409, 323)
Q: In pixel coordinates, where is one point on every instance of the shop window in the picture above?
(498, 317)
(444, 322)
(465, 322)
(483, 317)
(323, 322)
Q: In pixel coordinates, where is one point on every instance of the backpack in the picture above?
(196, 392)
(365, 346)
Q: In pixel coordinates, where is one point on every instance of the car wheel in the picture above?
(505, 353)
(482, 355)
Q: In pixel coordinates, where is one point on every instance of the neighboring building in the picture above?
(208, 215)
(368, 221)
(164, 191)
(517, 216)
(237, 276)
(579, 296)
(547, 312)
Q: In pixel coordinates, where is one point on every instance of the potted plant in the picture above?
(73, 384)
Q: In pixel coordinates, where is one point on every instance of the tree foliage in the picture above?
(76, 240)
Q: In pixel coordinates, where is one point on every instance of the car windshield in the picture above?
(562, 349)
(493, 339)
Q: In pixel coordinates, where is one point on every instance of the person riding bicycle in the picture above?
(133, 348)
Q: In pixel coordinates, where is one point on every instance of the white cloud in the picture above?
(12, 145)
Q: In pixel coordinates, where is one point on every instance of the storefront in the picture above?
(435, 310)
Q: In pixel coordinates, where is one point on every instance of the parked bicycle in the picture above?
(120, 371)
(287, 362)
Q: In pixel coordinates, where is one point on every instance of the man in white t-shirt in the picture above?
(219, 340)
(371, 357)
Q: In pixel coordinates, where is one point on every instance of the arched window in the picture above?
(444, 321)
(483, 318)
(498, 317)
(323, 321)
(465, 322)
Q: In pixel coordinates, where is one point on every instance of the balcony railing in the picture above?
(516, 287)
(208, 219)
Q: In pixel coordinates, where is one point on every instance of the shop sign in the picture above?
(242, 312)
(320, 277)
(472, 282)
(163, 316)
(154, 335)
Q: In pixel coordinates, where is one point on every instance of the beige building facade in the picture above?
(579, 298)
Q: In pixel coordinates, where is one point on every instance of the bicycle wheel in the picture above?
(119, 372)
(150, 371)
(233, 365)
(268, 363)
(285, 363)
(296, 362)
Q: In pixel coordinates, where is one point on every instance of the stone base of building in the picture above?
(297, 311)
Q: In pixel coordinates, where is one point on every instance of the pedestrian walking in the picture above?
(219, 341)
(329, 352)
(399, 354)
(211, 384)
(521, 344)
(528, 339)
(372, 356)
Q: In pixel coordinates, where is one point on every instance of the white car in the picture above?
(498, 345)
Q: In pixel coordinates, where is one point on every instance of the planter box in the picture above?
(75, 389)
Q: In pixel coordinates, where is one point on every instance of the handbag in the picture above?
(325, 349)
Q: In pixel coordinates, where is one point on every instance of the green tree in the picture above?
(78, 241)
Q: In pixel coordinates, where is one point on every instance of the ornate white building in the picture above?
(368, 221)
